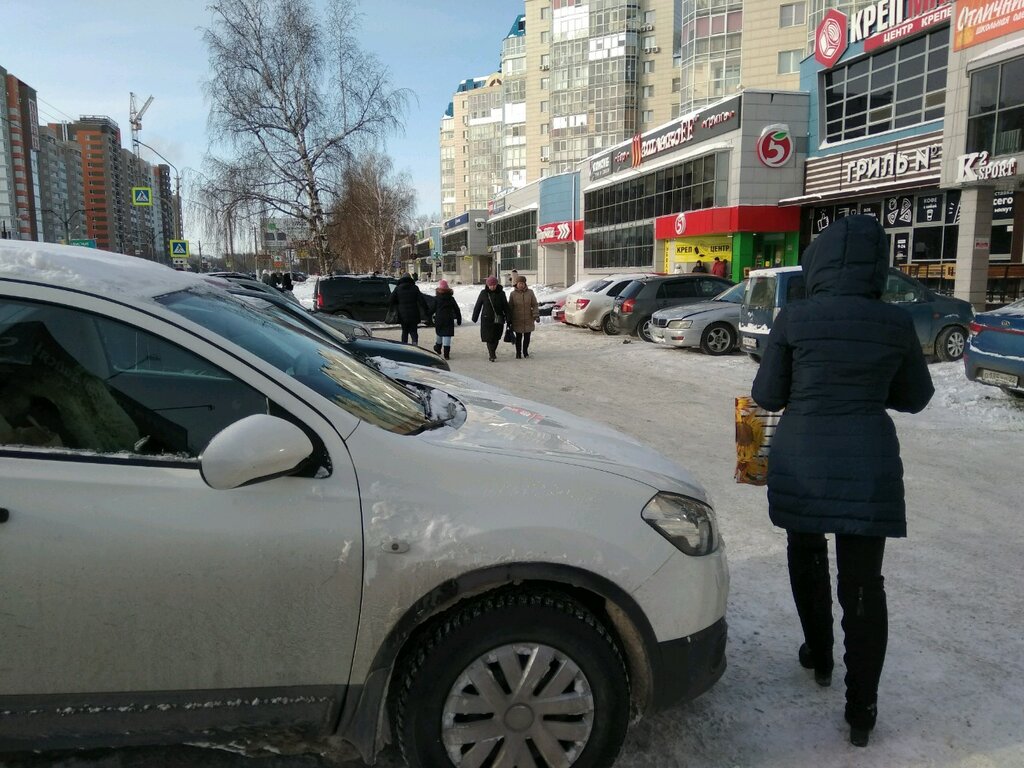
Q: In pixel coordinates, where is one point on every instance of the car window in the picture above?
(74, 380)
(899, 290)
(678, 289)
(733, 295)
(795, 289)
(761, 293)
(340, 377)
(632, 290)
(710, 288)
(616, 289)
(600, 286)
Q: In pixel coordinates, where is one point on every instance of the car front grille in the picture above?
(659, 322)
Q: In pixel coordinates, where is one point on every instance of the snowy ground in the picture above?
(952, 692)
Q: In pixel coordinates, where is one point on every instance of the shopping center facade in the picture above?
(909, 110)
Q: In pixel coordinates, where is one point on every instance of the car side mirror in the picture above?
(252, 450)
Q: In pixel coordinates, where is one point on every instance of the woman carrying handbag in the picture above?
(524, 313)
(491, 309)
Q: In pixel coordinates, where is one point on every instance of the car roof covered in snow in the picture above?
(91, 270)
(773, 271)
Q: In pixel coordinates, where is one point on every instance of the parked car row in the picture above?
(941, 321)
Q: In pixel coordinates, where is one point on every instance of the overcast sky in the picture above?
(84, 58)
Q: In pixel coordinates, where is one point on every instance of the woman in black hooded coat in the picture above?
(835, 362)
(491, 309)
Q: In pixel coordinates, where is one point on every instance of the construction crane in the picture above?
(135, 118)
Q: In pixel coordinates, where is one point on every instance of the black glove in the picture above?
(460, 321)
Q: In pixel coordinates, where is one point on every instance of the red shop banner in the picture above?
(723, 221)
(560, 232)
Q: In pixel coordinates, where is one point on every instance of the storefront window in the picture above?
(520, 227)
(995, 121)
(620, 248)
(897, 88)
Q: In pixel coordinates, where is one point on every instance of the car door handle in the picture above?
(5, 515)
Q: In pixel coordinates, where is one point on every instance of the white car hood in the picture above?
(498, 421)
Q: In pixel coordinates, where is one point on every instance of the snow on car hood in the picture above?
(689, 310)
(496, 420)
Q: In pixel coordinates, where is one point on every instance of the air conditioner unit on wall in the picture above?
(545, 67)
(653, 49)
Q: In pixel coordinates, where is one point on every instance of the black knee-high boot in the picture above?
(866, 636)
(526, 344)
(809, 579)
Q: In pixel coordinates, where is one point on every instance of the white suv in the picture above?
(217, 525)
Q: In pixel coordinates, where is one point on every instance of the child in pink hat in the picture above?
(446, 315)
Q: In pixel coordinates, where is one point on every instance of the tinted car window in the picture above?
(899, 290)
(616, 289)
(632, 290)
(733, 295)
(600, 286)
(710, 288)
(678, 289)
(795, 289)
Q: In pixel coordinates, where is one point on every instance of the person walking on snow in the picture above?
(411, 306)
(835, 362)
(491, 309)
(523, 313)
(446, 315)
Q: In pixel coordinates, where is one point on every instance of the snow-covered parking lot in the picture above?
(952, 692)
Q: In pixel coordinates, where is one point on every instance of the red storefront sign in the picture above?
(830, 38)
(560, 232)
(719, 221)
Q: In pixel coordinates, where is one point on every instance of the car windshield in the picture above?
(307, 357)
(761, 293)
(733, 295)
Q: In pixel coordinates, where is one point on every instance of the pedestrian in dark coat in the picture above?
(835, 362)
(491, 310)
(411, 306)
(446, 315)
(286, 282)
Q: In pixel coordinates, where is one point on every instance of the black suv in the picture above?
(358, 298)
(642, 298)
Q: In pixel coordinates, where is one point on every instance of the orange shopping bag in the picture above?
(754, 429)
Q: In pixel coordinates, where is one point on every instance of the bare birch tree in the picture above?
(294, 101)
(372, 214)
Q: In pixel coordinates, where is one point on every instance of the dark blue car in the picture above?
(941, 321)
(995, 349)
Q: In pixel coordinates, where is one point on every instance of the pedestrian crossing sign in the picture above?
(142, 196)
(179, 248)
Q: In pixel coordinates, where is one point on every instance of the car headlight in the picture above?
(689, 524)
(678, 325)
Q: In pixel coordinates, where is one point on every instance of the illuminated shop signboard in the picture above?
(878, 25)
(708, 123)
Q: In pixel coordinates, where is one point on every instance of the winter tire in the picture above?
(609, 326)
(517, 678)
(949, 346)
(643, 330)
(718, 339)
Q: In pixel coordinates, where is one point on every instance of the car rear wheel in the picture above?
(718, 339)
(949, 346)
(643, 330)
(518, 678)
(609, 326)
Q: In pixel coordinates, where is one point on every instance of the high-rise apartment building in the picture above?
(579, 77)
(103, 180)
(8, 214)
(63, 205)
(23, 122)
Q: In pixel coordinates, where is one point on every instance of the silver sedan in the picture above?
(711, 325)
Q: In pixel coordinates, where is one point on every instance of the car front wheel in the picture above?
(718, 339)
(950, 344)
(518, 678)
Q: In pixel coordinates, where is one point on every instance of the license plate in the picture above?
(750, 342)
(995, 377)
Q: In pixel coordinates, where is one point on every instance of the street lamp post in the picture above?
(177, 190)
(66, 220)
